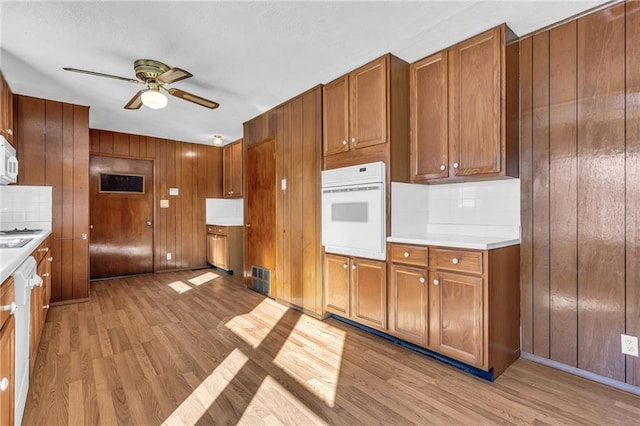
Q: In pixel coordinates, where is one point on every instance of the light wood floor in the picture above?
(183, 348)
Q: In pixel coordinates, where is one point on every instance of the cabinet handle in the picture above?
(44, 249)
(49, 259)
(354, 140)
(345, 266)
(4, 384)
(436, 282)
(455, 261)
(422, 280)
(46, 306)
(443, 167)
(406, 254)
(456, 165)
(353, 267)
(344, 142)
(46, 274)
(9, 132)
(11, 307)
(248, 225)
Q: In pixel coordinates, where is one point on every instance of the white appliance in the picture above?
(8, 162)
(25, 278)
(353, 211)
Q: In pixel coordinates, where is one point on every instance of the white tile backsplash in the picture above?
(490, 208)
(225, 211)
(25, 206)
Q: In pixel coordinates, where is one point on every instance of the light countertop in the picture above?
(455, 241)
(225, 221)
(11, 258)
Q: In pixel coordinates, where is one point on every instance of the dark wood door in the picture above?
(429, 118)
(336, 284)
(474, 105)
(335, 116)
(260, 209)
(368, 106)
(409, 304)
(456, 326)
(369, 292)
(121, 241)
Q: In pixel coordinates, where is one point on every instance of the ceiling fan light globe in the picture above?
(154, 99)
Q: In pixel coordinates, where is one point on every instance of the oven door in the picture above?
(354, 220)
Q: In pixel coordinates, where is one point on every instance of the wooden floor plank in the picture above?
(140, 353)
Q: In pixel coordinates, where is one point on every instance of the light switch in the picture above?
(164, 204)
(173, 191)
(283, 184)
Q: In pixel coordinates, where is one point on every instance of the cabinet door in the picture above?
(475, 105)
(456, 325)
(7, 371)
(236, 169)
(211, 249)
(408, 307)
(368, 104)
(227, 171)
(221, 252)
(429, 118)
(336, 284)
(335, 116)
(369, 292)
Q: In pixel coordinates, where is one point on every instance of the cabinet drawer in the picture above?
(456, 260)
(7, 295)
(41, 251)
(218, 230)
(409, 255)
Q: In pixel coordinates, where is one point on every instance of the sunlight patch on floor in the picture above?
(273, 404)
(180, 287)
(254, 326)
(315, 368)
(204, 278)
(196, 404)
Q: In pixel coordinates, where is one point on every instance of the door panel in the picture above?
(368, 108)
(121, 241)
(369, 292)
(336, 284)
(336, 116)
(260, 211)
(409, 304)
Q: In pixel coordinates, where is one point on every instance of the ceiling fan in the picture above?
(155, 75)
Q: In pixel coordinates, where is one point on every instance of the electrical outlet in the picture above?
(629, 345)
(169, 258)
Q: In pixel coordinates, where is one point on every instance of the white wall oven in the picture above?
(353, 211)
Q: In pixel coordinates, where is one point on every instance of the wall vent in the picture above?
(260, 279)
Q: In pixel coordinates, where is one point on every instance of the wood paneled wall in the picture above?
(53, 150)
(580, 137)
(196, 170)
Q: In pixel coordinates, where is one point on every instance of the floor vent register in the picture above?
(260, 279)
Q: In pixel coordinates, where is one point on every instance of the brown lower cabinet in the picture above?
(356, 289)
(458, 302)
(7, 353)
(224, 247)
(40, 298)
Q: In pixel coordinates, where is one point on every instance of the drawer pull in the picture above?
(46, 306)
(406, 254)
(353, 267)
(344, 142)
(436, 282)
(345, 266)
(422, 280)
(455, 261)
(49, 259)
(4, 384)
(46, 274)
(44, 249)
(11, 307)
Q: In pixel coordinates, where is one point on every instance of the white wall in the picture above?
(25, 206)
(490, 208)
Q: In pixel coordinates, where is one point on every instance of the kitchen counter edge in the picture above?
(456, 241)
(10, 259)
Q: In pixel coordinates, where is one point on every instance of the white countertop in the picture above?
(455, 241)
(11, 258)
(225, 221)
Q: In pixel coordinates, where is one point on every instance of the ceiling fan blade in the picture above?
(193, 98)
(173, 75)
(99, 74)
(135, 102)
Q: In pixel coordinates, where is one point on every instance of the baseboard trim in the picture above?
(69, 302)
(582, 373)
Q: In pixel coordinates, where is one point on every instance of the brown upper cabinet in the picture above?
(464, 110)
(232, 170)
(356, 107)
(6, 111)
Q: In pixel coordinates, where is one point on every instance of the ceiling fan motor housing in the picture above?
(148, 69)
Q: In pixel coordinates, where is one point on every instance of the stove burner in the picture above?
(22, 231)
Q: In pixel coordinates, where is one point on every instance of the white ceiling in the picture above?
(248, 56)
